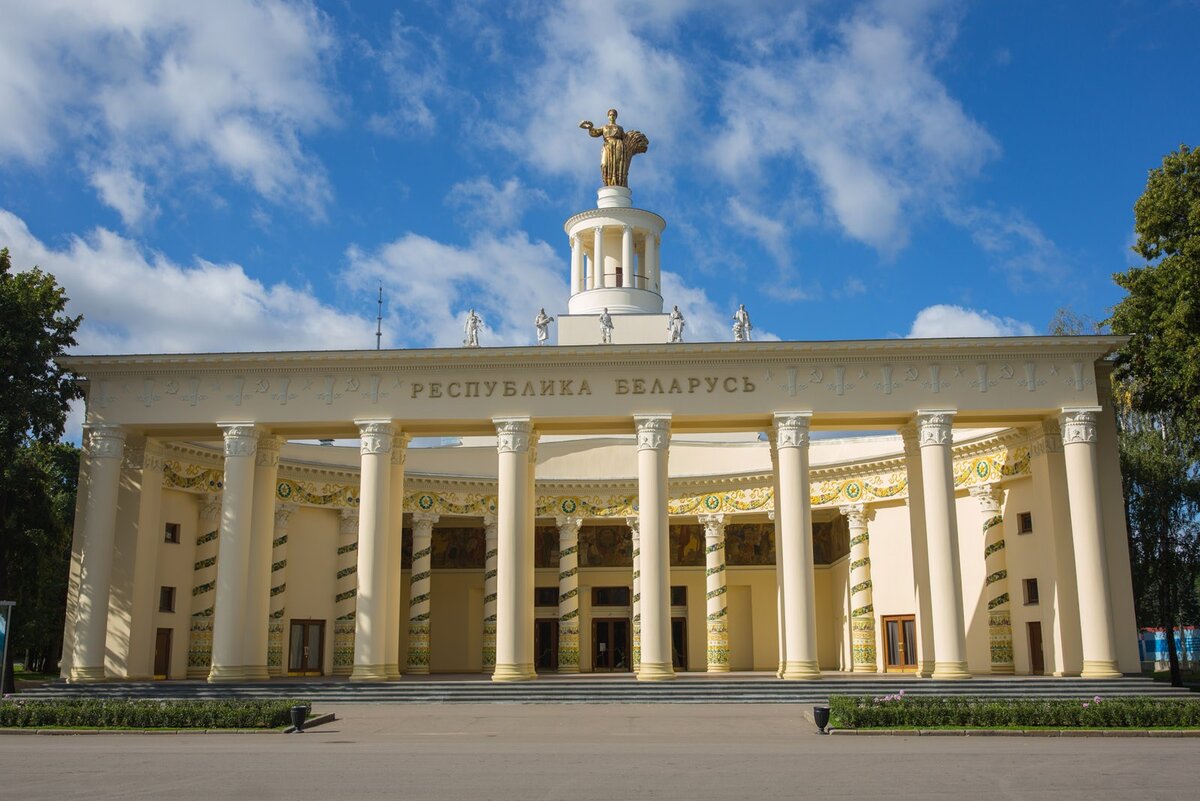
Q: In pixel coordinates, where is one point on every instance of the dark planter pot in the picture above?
(821, 718)
(299, 713)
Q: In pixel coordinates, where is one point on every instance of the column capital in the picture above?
(990, 497)
(375, 436)
(791, 429)
(400, 442)
(267, 452)
(908, 435)
(635, 526)
(653, 431)
(210, 505)
(105, 442)
(714, 525)
(424, 520)
(283, 513)
(145, 455)
(241, 439)
(513, 434)
(489, 527)
(855, 514)
(1079, 424)
(934, 426)
(568, 526)
(348, 521)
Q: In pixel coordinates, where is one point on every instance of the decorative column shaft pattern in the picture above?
(795, 539)
(715, 597)
(636, 607)
(1091, 561)
(233, 555)
(419, 592)
(262, 533)
(653, 449)
(105, 448)
(204, 584)
(862, 606)
(346, 588)
(514, 557)
(489, 593)
(1000, 637)
(374, 517)
(279, 550)
(568, 594)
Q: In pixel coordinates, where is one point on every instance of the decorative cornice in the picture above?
(241, 439)
(375, 436)
(791, 429)
(513, 434)
(1079, 425)
(934, 427)
(105, 442)
(653, 431)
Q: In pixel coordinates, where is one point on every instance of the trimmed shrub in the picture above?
(901, 711)
(130, 714)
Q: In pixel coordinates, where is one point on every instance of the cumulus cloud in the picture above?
(946, 320)
(483, 203)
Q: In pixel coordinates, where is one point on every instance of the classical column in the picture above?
(276, 663)
(345, 601)
(568, 594)
(627, 256)
(489, 593)
(941, 529)
(395, 548)
(418, 594)
(653, 445)
(1091, 562)
(773, 515)
(715, 598)
(795, 539)
(652, 267)
(105, 447)
(635, 609)
(1000, 637)
(920, 550)
(576, 264)
(204, 584)
(133, 597)
(598, 258)
(374, 516)
(862, 607)
(258, 574)
(514, 545)
(233, 554)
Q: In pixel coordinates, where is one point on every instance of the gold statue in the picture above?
(620, 146)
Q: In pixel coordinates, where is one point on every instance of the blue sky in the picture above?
(239, 176)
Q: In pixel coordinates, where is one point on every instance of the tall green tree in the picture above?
(34, 396)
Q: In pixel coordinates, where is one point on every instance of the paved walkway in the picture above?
(727, 752)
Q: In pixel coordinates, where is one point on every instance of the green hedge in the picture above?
(899, 711)
(127, 714)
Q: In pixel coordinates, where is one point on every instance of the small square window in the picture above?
(679, 596)
(1025, 523)
(545, 596)
(610, 596)
(1031, 591)
(166, 599)
(171, 533)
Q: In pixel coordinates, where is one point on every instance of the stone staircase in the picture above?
(687, 689)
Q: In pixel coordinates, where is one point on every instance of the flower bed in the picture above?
(928, 712)
(127, 714)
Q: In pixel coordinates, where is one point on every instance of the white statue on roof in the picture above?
(675, 324)
(472, 328)
(741, 324)
(606, 327)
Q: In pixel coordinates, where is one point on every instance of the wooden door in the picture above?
(900, 643)
(545, 644)
(610, 645)
(1037, 659)
(162, 653)
(306, 647)
(679, 658)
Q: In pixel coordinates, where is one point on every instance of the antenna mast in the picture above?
(379, 319)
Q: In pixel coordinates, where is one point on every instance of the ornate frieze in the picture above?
(653, 432)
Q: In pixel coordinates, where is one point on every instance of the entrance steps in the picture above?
(745, 688)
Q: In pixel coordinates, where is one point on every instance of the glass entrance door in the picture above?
(306, 647)
(900, 632)
(610, 645)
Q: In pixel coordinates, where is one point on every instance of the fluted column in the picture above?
(258, 575)
(395, 548)
(374, 515)
(345, 600)
(204, 584)
(105, 448)
(1087, 530)
(138, 546)
(568, 594)
(515, 555)
(920, 551)
(419, 592)
(276, 664)
(715, 598)
(635, 609)
(233, 554)
(1000, 637)
(773, 515)
(627, 262)
(653, 446)
(795, 536)
(941, 527)
(862, 605)
(489, 593)
(598, 258)
(576, 264)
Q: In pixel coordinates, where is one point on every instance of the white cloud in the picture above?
(706, 322)
(123, 191)
(414, 63)
(1019, 246)
(484, 204)
(945, 320)
(161, 86)
(771, 233)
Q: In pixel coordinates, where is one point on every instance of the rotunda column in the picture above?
(598, 257)
(653, 444)
(105, 449)
(795, 513)
(204, 582)
(1087, 534)
(576, 264)
(715, 598)
(276, 647)
(627, 262)
(262, 534)
(419, 595)
(1000, 638)
(395, 549)
(635, 607)
(374, 515)
(568, 594)
(489, 593)
(514, 558)
(233, 553)
(653, 277)
(862, 607)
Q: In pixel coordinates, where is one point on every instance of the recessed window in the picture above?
(171, 533)
(166, 599)
(1025, 523)
(610, 596)
(545, 596)
(1031, 591)
(679, 596)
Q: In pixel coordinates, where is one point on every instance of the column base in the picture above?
(950, 670)
(514, 672)
(1003, 670)
(718, 668)
(226, 673)
(569, 669)
(256, 673)
(779, 671)
(197, 673)
(924, 670)
(656, 671)
(393, 671)
(369, 673)
(865, 669)
(418, 670)
(801, 670)
(86, 675)
(1100, 669)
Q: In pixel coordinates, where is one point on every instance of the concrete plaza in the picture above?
(586, 751)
